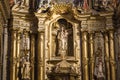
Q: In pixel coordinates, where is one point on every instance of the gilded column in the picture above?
(18, 55)
(112, 55)
(32, 55)
(13, 55)
(85, 55)
(91, 56)
(107, 56)
(40, 56)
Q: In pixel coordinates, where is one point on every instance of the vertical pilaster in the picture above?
(91, 56)
(5, 52)
(112, 55)
(50, 43)
(85, 55)
(32, 55)
(18, 55)
(107, 56)
(40, 56)
(13, 55)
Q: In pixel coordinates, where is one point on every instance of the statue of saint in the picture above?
(63, 39)
(99, 64)
(25, 71)
(63, 42)
(100, 72)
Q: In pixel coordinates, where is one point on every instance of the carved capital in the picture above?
(91, 37)
(106, 37)
(84, 35)
(111, 34)
(41, 30)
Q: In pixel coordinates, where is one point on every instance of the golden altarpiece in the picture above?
(62, 41)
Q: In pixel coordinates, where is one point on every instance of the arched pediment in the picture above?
(55, 18)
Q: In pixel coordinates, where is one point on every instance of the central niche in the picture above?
(63, 38)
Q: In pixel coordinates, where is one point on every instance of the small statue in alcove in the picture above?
(63, 41)
(64, 38)
(25, 68)
(100, 72)
(99, 65)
